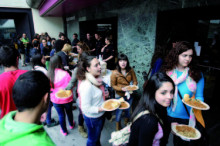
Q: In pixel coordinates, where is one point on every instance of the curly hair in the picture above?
(171, 60)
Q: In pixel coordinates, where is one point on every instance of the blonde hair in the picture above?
(67, 48)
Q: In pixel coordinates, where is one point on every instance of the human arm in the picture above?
(73, 80)
(107, 59)
(200, 89)
(114, 82)
(102, 50)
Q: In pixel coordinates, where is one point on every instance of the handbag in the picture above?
(121, 137)
(204, 140)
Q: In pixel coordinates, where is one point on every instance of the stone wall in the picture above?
(136, 25)
(136, 29)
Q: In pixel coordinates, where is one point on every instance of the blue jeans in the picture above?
(127, 111)
(48, 119)
(61, 110)
(94, 126)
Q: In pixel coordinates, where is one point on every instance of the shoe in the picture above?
(53, 123)
(71, 127)
(64, 133)
(82, 131)
(44, 123)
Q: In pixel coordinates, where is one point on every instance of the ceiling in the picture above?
(58, 8)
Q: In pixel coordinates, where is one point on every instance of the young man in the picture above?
(74, 42)
(99, 44)
(23, 127)
(9, 58)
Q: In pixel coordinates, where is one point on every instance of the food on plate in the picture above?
(64, 93)
(186, 97)
(124, 105)
(121, 99)
(131, 88)
(186, 131)
(111, 104)
(194, 102)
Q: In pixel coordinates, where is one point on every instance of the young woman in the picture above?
(59, 79)
(153, 128)
(180, 67)
(91, 93)
(123, 76)
(38, 63)
(82, 50)
(82, 47)
(108, 54)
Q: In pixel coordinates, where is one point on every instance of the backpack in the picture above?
(121, 137)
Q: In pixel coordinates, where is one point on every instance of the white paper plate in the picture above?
(207, 106)
(115, 100)
(198, 134)
(132, 86)
(63, 97)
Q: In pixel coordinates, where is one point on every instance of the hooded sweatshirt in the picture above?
(25, 134)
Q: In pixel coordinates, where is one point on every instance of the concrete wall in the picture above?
(52, 25)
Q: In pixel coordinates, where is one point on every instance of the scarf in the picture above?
(191, 84)
(97, 82)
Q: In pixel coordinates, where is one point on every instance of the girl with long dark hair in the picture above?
(91, 93)
(153, 128)
(59, 80)
(123, 76)
(180, 66)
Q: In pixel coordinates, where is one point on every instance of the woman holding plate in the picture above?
(59, 79)
(179, 65)
(123, 76)
(91, 94)
(152, 127)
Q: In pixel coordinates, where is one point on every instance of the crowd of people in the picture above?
(89, 69)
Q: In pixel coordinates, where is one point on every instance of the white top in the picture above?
(91, 99)
(40, 68)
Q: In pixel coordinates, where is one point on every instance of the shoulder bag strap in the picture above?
(149, 72)
(183, 103)
(140, 114)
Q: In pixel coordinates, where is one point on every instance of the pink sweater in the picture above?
(61, 80)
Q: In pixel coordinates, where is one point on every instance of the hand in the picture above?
(106, 94)
(124, 89)
(101, 109)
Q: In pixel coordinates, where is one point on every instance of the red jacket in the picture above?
(7, 80)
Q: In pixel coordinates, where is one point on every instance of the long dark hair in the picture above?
(85, 61)
(148, 101)
(123, 57)
(55, 62)
(36, 60)
(171, 61)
